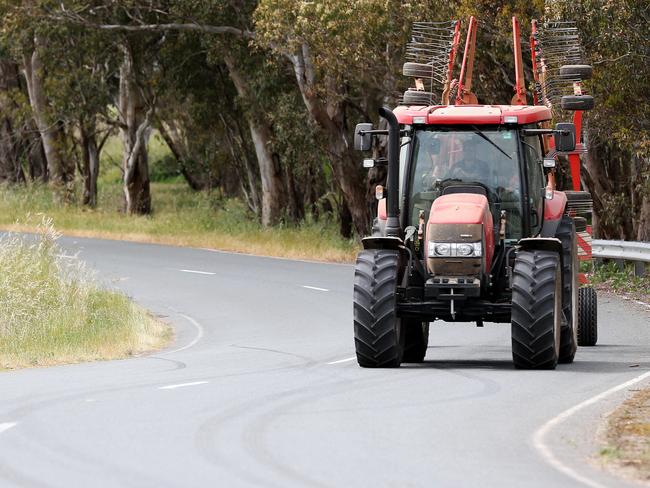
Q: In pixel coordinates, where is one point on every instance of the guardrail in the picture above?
(621, 251)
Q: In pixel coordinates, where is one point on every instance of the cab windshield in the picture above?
(473, 156)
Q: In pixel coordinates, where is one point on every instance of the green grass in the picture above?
(51, 312)
(609, 276)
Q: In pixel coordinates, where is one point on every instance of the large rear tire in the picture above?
(377, 329)
(568, 335)
(536, 309)
(588, 317)
(416, 340)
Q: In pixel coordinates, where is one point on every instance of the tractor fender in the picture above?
(552, 244)
(553, 211)
(382, 242)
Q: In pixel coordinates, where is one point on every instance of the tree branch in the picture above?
(211, 29)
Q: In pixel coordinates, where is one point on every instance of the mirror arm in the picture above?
(382, 132)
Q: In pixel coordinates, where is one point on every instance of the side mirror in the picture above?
(565, 137)
(362, 140)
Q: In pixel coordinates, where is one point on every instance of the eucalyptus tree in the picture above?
(26, 33)
(615, 37)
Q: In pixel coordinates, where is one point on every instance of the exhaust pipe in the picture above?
(393, 228)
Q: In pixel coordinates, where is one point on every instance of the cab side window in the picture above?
(535, 179)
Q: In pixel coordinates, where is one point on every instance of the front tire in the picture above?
(536, 309)
(377, 329)
(416, 340)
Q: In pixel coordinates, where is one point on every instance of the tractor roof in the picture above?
(473, 114)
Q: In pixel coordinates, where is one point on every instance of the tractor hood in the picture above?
(459, 208)
(458, 219)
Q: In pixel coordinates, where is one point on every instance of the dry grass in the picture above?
(182, 218)
(628, 438)
(52, 313)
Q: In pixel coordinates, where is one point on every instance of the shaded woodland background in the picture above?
(259, 99)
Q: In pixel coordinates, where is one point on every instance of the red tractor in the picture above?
(470, 226)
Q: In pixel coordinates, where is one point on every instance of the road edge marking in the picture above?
(182, 385)
(194, 271)
(314, 288)
(540, 434)
(343, 360)
(6, 426)
(192, 343)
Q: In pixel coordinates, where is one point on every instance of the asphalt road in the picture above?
(259, 390)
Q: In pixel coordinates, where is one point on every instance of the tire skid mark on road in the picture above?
(545, 450)
(266, 409)
(256, 435)
(307, 361)
(64, 453)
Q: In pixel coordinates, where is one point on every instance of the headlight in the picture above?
(461, 249)
(443, 249)
(464, 250)
(478, 248)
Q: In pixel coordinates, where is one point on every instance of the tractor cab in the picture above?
(468, 159)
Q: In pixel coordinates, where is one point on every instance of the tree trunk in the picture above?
(270, 172)
(178, 146)
(61, 173)
(330, 118)
(134, 126)
(241, 155)
(90, 160)
(10, 168)
(643, 230)
(295, 205)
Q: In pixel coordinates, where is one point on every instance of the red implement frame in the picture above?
(450, 67)
(465, 94)
(520, 90)
(533, 58)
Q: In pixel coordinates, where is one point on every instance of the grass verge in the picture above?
(627, 449)
(608, 277)
(52, 313)
(180, 217)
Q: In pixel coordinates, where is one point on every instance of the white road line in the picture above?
(197, 272)
(66, 256)
(192, 343)
(346, 360)
(182, 385)
(539, 437)
(314, 288)
(6, 426)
